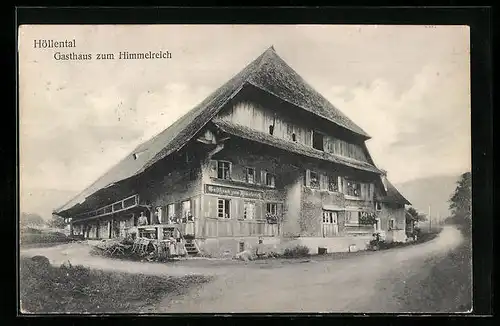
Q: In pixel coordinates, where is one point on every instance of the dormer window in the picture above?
(137, 154)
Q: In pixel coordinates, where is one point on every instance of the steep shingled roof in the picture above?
(392, 195)
(290, 146)
(268, 72)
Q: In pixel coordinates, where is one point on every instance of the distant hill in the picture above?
(43, 201)
(433, 191)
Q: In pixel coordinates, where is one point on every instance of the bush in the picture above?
(43, 237)
(296, 252)
(77, 289)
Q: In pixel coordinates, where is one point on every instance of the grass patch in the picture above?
(76, 289)
(447, 287)
(33, 236)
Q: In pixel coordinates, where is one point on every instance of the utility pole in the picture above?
(430, 219)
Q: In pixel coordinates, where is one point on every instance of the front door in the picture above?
(330, 224)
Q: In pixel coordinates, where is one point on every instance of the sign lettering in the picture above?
(234, 192)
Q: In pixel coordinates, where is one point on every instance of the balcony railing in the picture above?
(115, 207)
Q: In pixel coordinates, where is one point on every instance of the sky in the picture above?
(408, 87)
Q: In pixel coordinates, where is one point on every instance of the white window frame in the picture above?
(229, 168)
(330, 217)
(393, 222)
(353, 183)
(226, 206)
(272, 205)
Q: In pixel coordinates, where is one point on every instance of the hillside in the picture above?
(43, 201)
(433, 191)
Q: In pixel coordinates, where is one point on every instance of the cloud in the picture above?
(424, 130)
(77, 119)
(93, 131)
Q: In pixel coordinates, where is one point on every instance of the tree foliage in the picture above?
(415, 215)
(461, 203)
(31, 219)
(461, 199)
(56, 222)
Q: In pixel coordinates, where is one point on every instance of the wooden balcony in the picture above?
(116, 207)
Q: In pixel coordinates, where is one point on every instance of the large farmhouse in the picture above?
(265, 159)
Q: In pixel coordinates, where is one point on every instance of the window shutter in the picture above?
(257, 176)
(213, 168)
(308, 178)
(323, 181)
(263, 177)
(258, 211)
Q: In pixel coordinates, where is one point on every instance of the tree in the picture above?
(461, 201)
(56, 222)
(31, 219)
(415, 216)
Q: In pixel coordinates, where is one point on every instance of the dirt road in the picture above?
(359, 284)
(366, 283)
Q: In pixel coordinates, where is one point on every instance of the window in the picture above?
(250, 175)
(223, 208)
(171, 213)
(269, 179)
(271, 129)
(378, 206)
(272, 208)
(317, 140)
(392, 223)
(330, 217)
(223, 170)
(294, 137)
(333, 184)
(353, 189)
(249, 211)
(313, 179)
